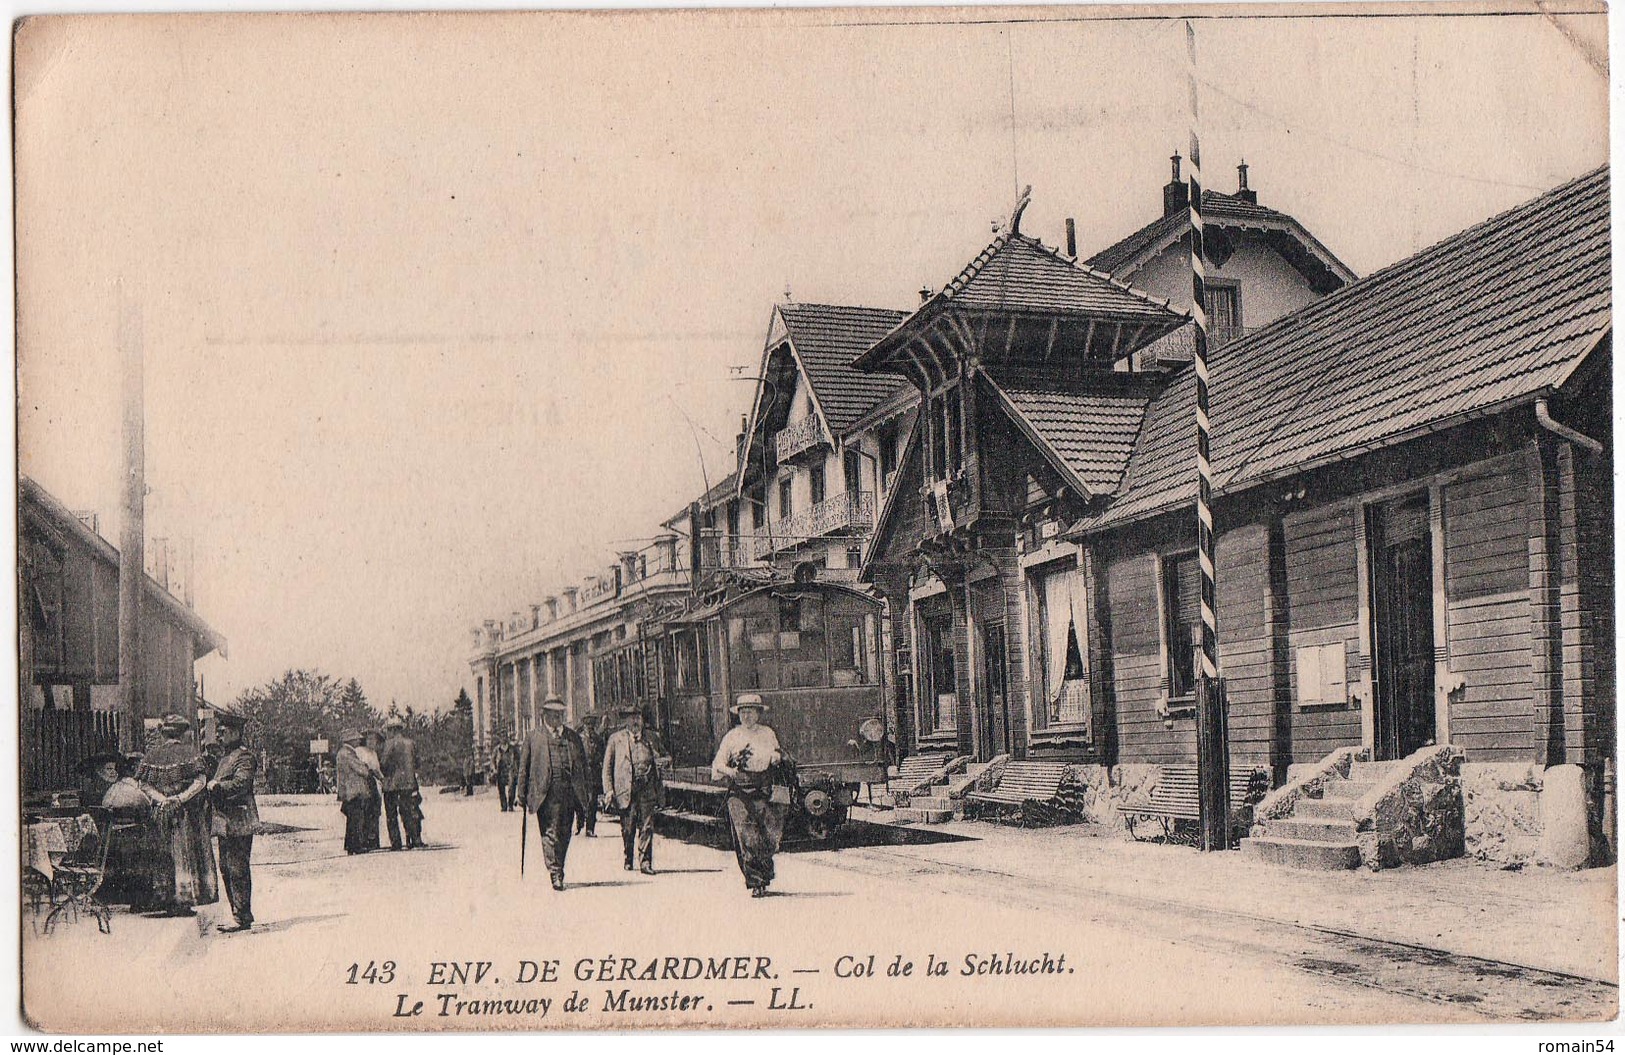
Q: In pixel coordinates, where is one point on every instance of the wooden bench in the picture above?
(919, 772)
(1022, 786)
(1175, 797)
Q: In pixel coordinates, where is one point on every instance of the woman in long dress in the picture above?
(182, 859)
(747, 758)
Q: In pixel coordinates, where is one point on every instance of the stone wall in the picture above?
(1107, 787)
(1414, 815)
(1501, 801)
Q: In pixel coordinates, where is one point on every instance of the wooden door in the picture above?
(994, 716)
(1402, 619)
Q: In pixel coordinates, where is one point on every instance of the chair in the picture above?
(79, 876)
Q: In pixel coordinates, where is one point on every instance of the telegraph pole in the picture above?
(1211, 742)
(132, 690)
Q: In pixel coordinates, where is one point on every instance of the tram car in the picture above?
(812, 652)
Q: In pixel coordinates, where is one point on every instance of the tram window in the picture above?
(751, 651)
(803, 659)
(688, 661)
(852, 649)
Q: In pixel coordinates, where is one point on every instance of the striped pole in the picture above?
(1210, 735)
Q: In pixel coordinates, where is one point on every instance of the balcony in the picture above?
(804, 435)
(852, 511)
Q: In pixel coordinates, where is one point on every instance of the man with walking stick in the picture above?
(553, 784)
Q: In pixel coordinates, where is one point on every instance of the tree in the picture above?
(286, 714)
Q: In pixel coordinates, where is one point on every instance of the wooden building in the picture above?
(68, 637)
(1414, 516)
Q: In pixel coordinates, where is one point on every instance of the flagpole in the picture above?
(1211, 747)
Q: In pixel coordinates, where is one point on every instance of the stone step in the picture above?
(911, 815)
(1331, 809)
(1300, 853)
(932, 802)
(1313, 829)
(1373, 771)
(1348, 789)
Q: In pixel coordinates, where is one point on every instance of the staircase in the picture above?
(1319, 833)
(943, 801)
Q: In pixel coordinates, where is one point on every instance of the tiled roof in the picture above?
(1018, 273)
(1088, 424)
(1503, 311)
(826, 338)
(1218, 210)
(720, 492)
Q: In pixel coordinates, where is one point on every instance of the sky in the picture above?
(440, 311)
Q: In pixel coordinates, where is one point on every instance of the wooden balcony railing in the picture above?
(802, 436)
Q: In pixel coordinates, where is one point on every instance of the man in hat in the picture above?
(398, 760)
(748, 759)
(501, 769)
(353, 782)
(633, 786)
(592, 738)
(236, 818)
(552, 783)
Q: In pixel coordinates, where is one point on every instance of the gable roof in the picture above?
(825, 338)
(1499, 314)
(1289, 237)
(1019, 274)
(720, 491)
(1086, 426)
(46, 505)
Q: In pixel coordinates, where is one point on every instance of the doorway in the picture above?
(1402, 621)
(994, 734)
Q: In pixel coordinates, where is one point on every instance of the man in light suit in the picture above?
(553, 783)
(633, 786)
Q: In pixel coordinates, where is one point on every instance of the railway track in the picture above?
(1492, 989)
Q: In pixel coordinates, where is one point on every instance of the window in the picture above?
(1182, 621)
(853, 472)
(887, 439)
(758, 509)
(1062, 645)
(954, 448)
(784, 498)
(852, 644)
(1223, 313)
(818, 483)
(1322, 674)
(688, 661)
(733, 518)
(941, 686)
(933, 437)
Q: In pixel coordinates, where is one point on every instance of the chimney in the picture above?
(1176, 195)
(552, 605)
(739, 440)
(629, 566)
(1244, 192)
(666, 547)
(570, 593)
(1071, 238)
(535, 616)
(925, 294)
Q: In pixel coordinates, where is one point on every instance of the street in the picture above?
(1001, 927)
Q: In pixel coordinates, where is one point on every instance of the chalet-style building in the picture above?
(821, 444)
(818, 450)
(1413, 503)
(68, 638)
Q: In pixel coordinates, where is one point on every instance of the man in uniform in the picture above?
(398, 761)
(633, 786)
(236, 818)
(552, 783)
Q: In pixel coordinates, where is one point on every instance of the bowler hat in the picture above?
(554, 702)
(173, 721)
(626, 710)
(749, 699)
(351, 734)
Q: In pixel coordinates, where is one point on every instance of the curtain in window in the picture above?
(1065, 605)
